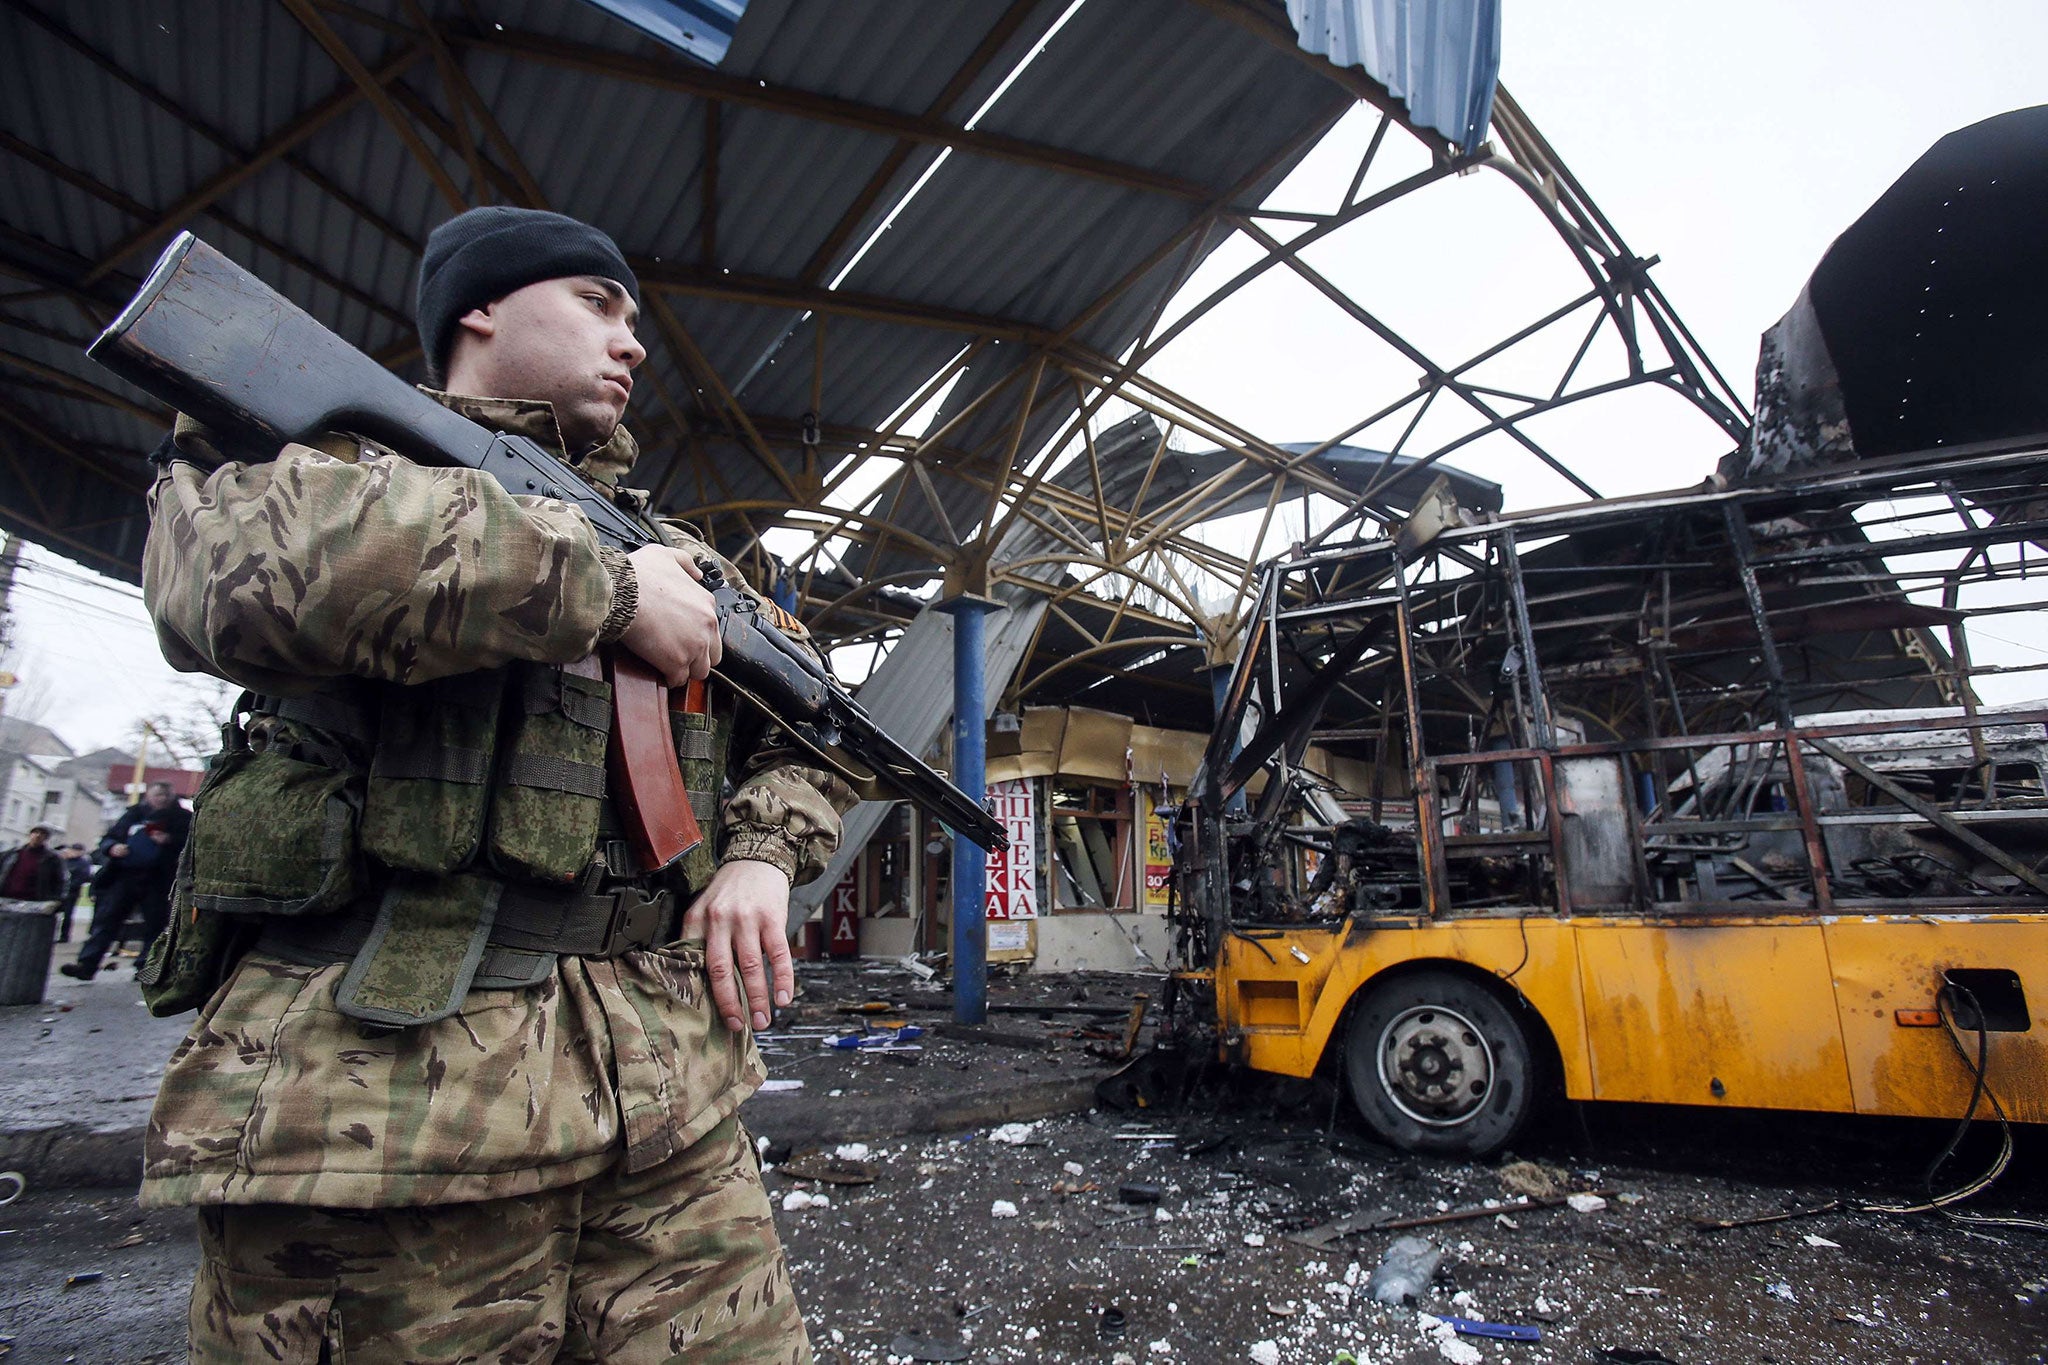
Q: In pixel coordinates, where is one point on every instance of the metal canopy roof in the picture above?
(905, 399)
(325, 184)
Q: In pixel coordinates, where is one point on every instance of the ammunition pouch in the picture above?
(548, 801)
(430, 775)
(273, 835)
(420, 951)
(702, 735)
(274, 825)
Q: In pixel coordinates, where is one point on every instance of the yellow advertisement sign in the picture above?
(1158, 859)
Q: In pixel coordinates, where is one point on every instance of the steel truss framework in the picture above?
(1668, 645)
(1011, 457)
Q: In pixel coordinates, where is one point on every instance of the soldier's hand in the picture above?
(743, 918)
(675, 628)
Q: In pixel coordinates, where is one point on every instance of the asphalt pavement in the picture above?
(88, 1278)
(86, 1062)
(82, 1072)
(950, 1188)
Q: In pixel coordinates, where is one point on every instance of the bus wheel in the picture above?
(1438, 1063)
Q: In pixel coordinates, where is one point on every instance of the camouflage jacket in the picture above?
(345, 560)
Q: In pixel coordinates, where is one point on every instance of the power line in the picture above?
(99, 610)
(88, 580)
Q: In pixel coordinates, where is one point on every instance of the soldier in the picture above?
(465, 1079)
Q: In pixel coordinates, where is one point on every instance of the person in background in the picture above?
(78, 866)
(34, 871)
(141, 849)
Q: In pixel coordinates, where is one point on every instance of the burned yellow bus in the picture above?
(1687, 798)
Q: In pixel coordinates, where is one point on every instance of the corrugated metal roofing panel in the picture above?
(1439, 57)
(1157, 83)
(697, 28)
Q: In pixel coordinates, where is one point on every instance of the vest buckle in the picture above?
(639, 919)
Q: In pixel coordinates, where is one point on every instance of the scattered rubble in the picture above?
(1234, 1270)
(1278, 1212)
(1530, 1180)
(1404, 1273)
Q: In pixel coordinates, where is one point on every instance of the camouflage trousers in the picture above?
(679, 1262)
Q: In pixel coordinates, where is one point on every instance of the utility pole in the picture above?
(138, 784)
(10, 560)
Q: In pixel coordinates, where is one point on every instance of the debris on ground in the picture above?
(1532, 1180)
(1492, 1331)
(1234, 1265)
(828, 1170)
(1278, 1211)
(912, 1346)
(1404, 1273)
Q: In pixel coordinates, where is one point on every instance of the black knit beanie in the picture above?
(480, 256)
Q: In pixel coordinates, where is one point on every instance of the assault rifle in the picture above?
(216, 343)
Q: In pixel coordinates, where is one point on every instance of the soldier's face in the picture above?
(569, 342)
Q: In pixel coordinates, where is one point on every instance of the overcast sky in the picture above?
(1733, 140)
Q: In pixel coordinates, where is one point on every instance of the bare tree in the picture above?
(32, 696)
(189, 727)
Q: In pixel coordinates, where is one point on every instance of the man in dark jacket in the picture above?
(80, 870)
(141, 849)
(34, 871)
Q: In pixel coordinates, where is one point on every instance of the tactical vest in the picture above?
(439, 838)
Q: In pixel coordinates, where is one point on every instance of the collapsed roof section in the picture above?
(1921, 328)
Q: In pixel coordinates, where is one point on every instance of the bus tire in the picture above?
(1437, 1062)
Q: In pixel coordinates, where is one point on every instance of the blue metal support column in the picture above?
(1219, 691)
(970, 774)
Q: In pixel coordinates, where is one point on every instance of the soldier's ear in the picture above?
(481, 322)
